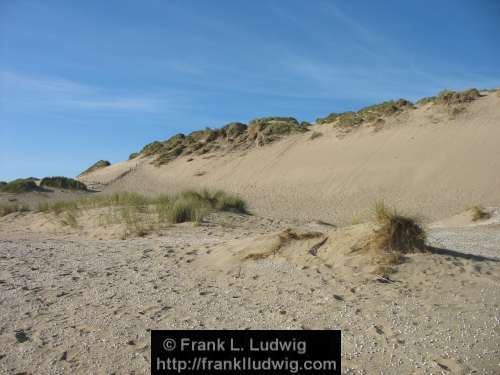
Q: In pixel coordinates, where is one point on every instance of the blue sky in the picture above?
(87, 80)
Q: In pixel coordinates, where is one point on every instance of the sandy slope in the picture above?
(82, 305)
(424, 161)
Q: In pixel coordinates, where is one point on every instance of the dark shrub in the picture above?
(63, 183)
(20, 185)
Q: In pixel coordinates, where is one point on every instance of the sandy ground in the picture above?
(424, 161)
(71, 304)
(80, 299)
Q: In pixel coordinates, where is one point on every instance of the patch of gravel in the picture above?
(483, 241)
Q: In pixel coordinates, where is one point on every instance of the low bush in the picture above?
(60, 182)
(20, 185)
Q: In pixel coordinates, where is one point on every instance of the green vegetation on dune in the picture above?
(188, 206)
(9, 208)
(261, 131)
(60, 182)
(369, 113)
(20, 185)
(448, 97)
(97, 165)
(265, 130)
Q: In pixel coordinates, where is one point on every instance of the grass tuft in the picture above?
(9, 208)
(398, 234)
(479, 213)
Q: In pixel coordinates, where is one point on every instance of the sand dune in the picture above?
(425, 160)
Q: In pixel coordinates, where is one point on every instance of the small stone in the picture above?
(21, 336)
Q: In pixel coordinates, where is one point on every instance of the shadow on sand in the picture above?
(458, 254)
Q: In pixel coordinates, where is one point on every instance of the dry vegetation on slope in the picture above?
(266, 130)
(232, 136)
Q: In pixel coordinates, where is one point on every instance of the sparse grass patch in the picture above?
(284, 238)
(70, 218)
(332, 117)
(479, 213)
(63, 206)
(43, 207)
(136, 211)
(9, 208)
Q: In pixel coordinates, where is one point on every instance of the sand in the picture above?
(86, 305)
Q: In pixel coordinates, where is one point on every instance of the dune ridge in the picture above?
(430, 160)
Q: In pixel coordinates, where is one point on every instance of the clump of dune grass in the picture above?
(186, 209)
(222, 201)
(195, 206)
(479, 213)
(398, 234)
(395, 236)
(8, 208)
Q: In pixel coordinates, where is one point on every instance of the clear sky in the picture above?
(87, 80)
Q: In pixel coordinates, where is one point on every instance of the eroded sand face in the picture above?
(81, 305)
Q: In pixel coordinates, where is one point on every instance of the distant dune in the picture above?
(435, 159)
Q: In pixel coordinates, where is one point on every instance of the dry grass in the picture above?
(60, 182)
(284, 238)
(398, 234)
(395, 236)
(139, 212)
(9, 208)
(20, 185)
(479, 213)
